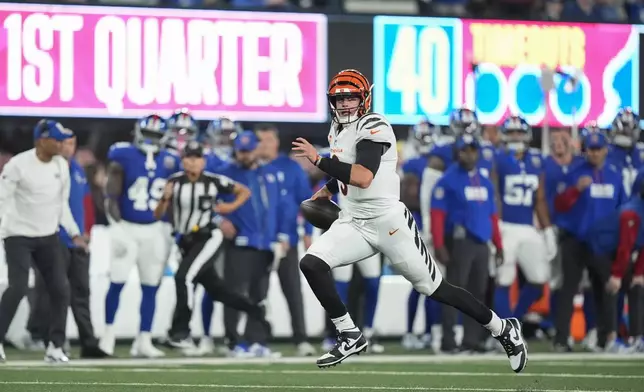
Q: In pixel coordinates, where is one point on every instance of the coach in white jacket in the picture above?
(34, 194)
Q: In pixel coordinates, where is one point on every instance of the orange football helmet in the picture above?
(349, 83)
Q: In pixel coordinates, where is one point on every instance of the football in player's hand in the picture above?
(321, 212)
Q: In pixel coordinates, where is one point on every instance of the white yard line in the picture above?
(65, 368)
(381, 359)
(277, 387)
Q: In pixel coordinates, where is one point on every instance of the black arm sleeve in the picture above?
(368, 154)
(332, 186)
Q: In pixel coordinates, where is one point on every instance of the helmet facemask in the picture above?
(349, 96)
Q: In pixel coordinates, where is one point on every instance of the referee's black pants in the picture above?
(575, 257)
(289, 274)
(468, 267)
(248, 271)
(77, 267)
(45, 254)
(199, 253)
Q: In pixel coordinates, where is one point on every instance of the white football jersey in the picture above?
(384, 191)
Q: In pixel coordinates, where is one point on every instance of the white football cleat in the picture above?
(305, 349)
(349, 342)
(511, 338)
(206, 347)
(55, 355)
(411, 342)
(3, 357)
(261, 351)
(143, 347)
(590, 341)
(108, 340)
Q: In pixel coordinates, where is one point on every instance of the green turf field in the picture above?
(545, 373)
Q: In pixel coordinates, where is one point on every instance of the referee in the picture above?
(192, 195)
(34, 194)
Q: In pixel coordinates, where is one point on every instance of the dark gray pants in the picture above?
(467, 268)
(289, 274)
(77, 264)
(246, 270)
(635, 304)
(44, 253)
(575, 257)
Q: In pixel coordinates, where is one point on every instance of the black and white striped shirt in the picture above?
(192, 202)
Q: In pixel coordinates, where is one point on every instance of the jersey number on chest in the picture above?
(145, 195)
(629, 174)
(519, 189)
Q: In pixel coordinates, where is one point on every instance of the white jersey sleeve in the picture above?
(376, 128)
(384, 190)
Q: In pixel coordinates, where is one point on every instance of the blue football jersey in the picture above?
(143, 181)
(627, 162)
(215, 163)
(416, 166)
(443, 151)
(554, 182)
(518, 184)
(486, 158)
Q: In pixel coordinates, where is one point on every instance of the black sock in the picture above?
(636, 306)
(464, 301)
(318, 274)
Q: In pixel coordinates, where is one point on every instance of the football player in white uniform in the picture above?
(363, 168)
(370, 270)
(136, 176)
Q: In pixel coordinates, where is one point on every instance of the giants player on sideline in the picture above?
(423, 136)
(182, 128)
(556, 165)
(221, 133)
(627, 154)
(219, 136)
(363, 168)
(625, 151)
(522, 195)
(136, 177)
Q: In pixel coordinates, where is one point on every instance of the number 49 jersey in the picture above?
(518, 184)
(143, 180)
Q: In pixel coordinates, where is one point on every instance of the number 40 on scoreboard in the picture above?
(417, 68)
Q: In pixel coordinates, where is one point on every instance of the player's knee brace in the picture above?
(313, 265)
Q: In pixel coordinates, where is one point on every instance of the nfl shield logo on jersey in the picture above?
(168, 162)
(536, 162)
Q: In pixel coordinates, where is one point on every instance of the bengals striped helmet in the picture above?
(345, 85)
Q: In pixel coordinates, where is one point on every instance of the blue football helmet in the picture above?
(150, 133)
(625, 129)
(222, 131)
(464, 121)
(183, 128)
(516, 133)
(423, 135)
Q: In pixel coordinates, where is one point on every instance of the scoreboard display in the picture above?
(426, 67)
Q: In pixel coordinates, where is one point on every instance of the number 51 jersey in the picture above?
(518, 184)
(144, 178)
